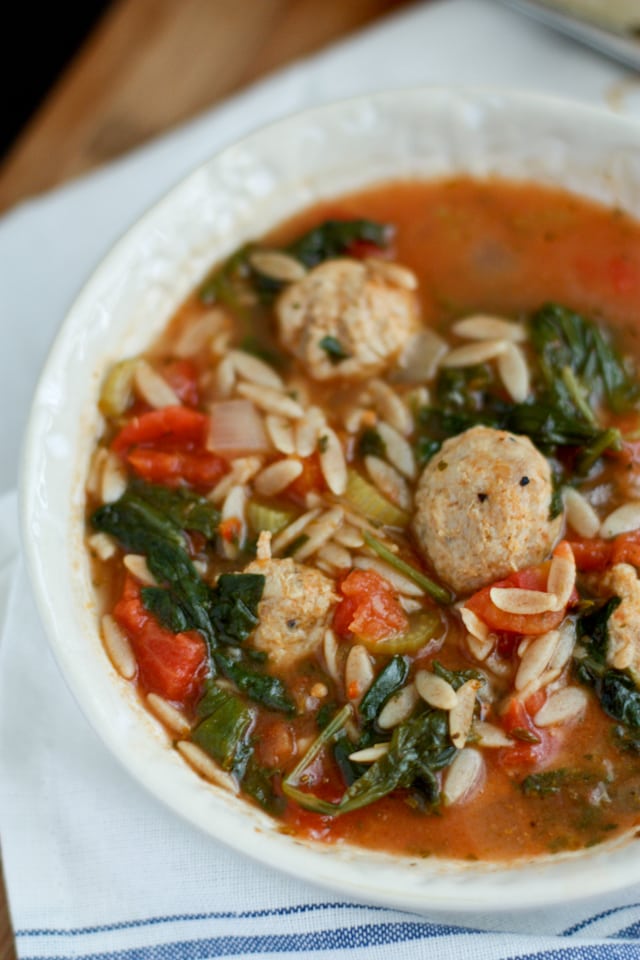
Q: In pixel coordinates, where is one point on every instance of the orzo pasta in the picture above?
(367, 516)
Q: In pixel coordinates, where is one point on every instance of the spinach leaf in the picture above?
(564, 340)
(234, 610)
(172, 565)
(556, 506)
(334, 238)
(238, 284)
(184, 508)
(456, 677)
(325, 714)
(229, 283)
(257, 348)
(543, 784)
(592, 628)
(260, 687)
(390, 679)
(350, 770)
(296, 544)
(212, 697)
(226, 282)
(371, 444)
(258, 783)
(419, 748)
(226, 614)
(620, 698)
(574, 369)
(141, 528)
(616, 689)
(425, 448)
(551, 782)
(225, 727)
(164, 607)
(466, 389)
(550, 423)
(135, 524)
(225, 733)
(463, 398)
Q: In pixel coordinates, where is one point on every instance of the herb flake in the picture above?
(333, 349)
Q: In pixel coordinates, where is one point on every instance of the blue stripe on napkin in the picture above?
(601, 916)
(343, 938)
(213, 915)
(340, 938)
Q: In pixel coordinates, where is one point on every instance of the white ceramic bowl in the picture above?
(237, 195)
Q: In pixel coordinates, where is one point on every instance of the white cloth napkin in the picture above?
(95, 867)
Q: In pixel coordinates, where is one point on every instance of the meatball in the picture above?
(368, 314)
(623, 649)
(294, 611)
(482, 508)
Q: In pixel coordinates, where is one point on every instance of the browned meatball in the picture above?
(482, 508)
(623, 648)
(368, 315)
(295, 609)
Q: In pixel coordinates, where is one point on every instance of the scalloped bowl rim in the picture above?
(239, 193)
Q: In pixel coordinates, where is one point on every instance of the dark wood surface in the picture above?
(150, 64)
(137, 76)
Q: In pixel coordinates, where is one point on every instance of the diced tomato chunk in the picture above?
(182, 377)
(531, 744)
(343, 616)
(230, 529)
(626, 548)
(617, 273)
(178, 425)
(592, 555)
(324, 780)
(623, 273)
(274, 742)
(362, 249)
(629, 453)
(167, 446)
(172, 468)
(535, 701)
(172, 665)
(370, 607)
(311, 480)
(533, 578)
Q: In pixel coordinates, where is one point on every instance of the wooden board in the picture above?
(149, 65)
(7, 948)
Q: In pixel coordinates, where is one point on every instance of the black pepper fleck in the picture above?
(482, 497)
(292, 624)
(524, 481)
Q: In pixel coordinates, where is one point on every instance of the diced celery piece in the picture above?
(367, 501)
(117, 388)
(262, 517)
(423, 627)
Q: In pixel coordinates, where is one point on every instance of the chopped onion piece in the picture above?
(235, 428)
(421, 357)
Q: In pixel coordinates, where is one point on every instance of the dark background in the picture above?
(39, 39)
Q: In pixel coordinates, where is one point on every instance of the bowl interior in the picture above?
(240, 194)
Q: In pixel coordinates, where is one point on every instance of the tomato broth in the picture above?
(365, 522)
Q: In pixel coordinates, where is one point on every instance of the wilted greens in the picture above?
(576, 372)
(333, 238)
